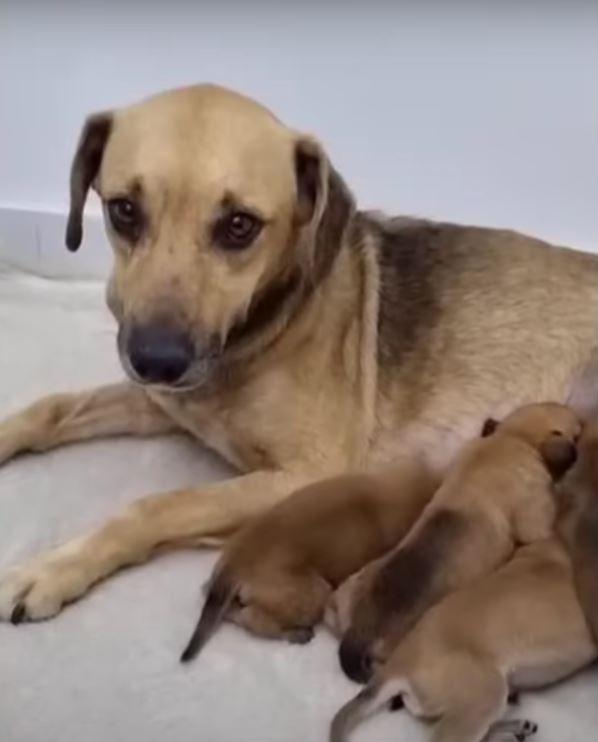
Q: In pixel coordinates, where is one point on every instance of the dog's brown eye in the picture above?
(237, 230)
(125, 217)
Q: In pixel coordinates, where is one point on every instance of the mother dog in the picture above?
(259, 311)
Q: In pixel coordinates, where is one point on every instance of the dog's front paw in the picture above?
(40, 588)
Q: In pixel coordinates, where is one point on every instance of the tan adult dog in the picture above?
(497, 495)
(264, 315)
(518, 628)
(276, 575)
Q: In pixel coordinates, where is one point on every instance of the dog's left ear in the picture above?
(84, 169)
(324, 206)
(489, 426)
(559, 454)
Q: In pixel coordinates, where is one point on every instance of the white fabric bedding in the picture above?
(106, 669)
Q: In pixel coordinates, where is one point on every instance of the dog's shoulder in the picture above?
(428, 270)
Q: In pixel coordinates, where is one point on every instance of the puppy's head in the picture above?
(221, 218)
(281, 605)
(550, 427)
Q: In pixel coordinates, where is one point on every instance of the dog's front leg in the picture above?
(117, 409)
(40, 587)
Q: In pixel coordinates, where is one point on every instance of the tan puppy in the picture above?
(521, 627)
(579, 525)
(497, 495)
(277, 573)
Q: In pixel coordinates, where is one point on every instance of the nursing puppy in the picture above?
(496, 496)
(276, 575)
(520, 627)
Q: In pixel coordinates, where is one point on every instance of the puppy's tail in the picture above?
(221, 593)
(375, 695)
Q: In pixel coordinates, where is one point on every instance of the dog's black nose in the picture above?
(158, 354)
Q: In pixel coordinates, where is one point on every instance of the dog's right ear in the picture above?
(84, 169)
(324, 206)
(489, 426)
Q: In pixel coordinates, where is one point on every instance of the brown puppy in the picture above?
(579, 524)
(521, 627)
(276, 575)
(497, 495)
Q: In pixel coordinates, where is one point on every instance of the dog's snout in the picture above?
(159, 354)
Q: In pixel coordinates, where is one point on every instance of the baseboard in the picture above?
(33, 241)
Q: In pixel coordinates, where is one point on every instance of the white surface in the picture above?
(477, 112)
(106, 668)
(33, 241)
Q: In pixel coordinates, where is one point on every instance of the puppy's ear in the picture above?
(84, 169)
(324, 206)
(489, 426)
(559, 454)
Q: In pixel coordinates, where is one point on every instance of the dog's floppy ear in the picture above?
(559, 454)
(84, 169)
(324, 206)
(489, 426)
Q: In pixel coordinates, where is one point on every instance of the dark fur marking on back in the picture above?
(400, 591)
(412, 258)
(402, 580)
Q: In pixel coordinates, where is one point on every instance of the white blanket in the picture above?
(106, 669)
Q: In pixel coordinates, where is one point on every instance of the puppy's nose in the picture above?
(158, 354)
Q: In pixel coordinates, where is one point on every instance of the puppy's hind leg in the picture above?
(514, 730)
(481, 701)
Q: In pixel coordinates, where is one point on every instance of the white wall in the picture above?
(482, 112)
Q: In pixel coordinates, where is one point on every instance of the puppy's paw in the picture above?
(38, 589)
(514, 730)
(300, 636)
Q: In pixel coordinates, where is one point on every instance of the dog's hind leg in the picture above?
(117, 409)
(39, 588)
